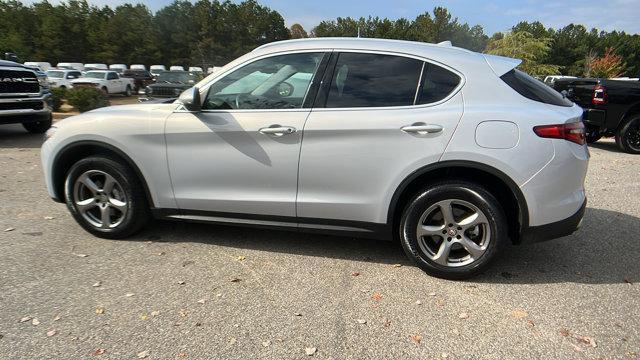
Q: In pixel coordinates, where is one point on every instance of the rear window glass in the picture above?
(437, 84)
(533, 89)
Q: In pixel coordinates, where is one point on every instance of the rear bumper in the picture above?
(594, 117)
(554, 230)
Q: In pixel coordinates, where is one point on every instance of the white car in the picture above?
(176, 68)
(106, 80)
(551, 79)
(70, 65)
(42, 65)
(119, 68)
(61, 78)
(213, 69)
(95, 66)
(138, 67)
(155, 70)
(457, 154)
(195, 69)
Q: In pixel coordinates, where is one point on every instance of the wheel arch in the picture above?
(494, 180)
(631, 111)
(72, 153)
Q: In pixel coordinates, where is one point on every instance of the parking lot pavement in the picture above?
(196, 291)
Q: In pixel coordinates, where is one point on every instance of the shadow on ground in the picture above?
(603, 251)
(15, 136)
(606, 144)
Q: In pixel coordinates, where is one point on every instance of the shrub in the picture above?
(57, 94)
(87, 98)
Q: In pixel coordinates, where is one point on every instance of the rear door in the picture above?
(378, 117)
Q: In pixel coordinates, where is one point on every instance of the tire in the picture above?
(105, 90)
(40, 126)
(127, 92)
(592, 134)
(426, 207)
(127, 207)
(628, 138)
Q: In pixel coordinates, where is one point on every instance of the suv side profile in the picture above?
(454, 153)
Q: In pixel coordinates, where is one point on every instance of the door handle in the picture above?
(422, 128)
(277, 130)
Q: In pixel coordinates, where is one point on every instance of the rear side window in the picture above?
(373, 80)
(437, 84)
(533, 89)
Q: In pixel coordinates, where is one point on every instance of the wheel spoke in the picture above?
(109, 182)
(426, 230)
(87, 204)
(118, 204)
(472, 221)
(472, 248)
(447, 212)
(105, 216)
(442, 257)
(89, 184)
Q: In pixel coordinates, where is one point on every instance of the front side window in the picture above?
(112, 76)
(278, 82)
(373, 80)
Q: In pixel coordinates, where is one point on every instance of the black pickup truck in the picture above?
(24, 97)
(612, 108)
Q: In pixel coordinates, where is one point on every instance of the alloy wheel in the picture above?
(100, 199)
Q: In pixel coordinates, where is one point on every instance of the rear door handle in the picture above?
(277, 130)
(421, 128)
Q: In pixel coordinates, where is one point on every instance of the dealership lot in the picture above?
(202, 291)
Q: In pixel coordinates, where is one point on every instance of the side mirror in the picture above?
(190, 99)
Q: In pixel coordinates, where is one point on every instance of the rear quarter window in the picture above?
(533, 89)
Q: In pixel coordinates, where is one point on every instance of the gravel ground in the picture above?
(211, 292)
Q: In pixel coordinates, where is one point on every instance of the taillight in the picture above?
(573, 132)
(599, 95)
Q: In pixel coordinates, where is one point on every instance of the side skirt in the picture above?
(306, 225)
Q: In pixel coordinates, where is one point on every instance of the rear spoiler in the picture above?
(500, 64)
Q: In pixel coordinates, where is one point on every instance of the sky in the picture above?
(492, 15)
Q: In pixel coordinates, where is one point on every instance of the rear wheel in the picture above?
(40, 126)
(592, 134)
(628, 138)
(453, 230)
(105, 90)
(106, 198)
(127, 91)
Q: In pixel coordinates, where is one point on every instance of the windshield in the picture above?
(95, 75)
(55, 74)
(177, 77)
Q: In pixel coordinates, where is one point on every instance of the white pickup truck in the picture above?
(106, 80)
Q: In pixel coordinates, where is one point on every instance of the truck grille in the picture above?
(14, 82)
(22, 105)
(164, 91)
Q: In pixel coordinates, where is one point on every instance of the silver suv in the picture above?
(454, 153)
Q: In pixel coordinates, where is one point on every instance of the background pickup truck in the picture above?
(612, 108)
(108, 81)
(24, 97)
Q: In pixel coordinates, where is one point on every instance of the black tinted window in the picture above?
(437, 84)
(533, 89)
(371, 80)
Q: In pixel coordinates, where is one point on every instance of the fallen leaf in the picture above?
(628, 281)
(129, 294)
(97, 284)
(25, 319)
(9, 229)
(361, 321)
(416, 338)
(463, 316)
(182, 354)
(234, 280)
(431, 294)
(531, 323)
(418, 302)
(35, 322)
(310, 351)
(155, 313)
(51, 333)
(240, 258)
(397, 265)
(184, 312)
(181, 282)
(588, 340)
(444, 355)
(80, 255)
(202, 301)
(144, 317)
(565, 332)
(355, 274)
(49, 218)
(266, 343)
(297, 314)
(232, 340)
(376, 296)
(98, 352)
(218, 295)
(56, 318)
(519, 314)
(386, 323)
(143, 354)
(198, 324)
(99, 310)
(576, 348)
(160, 253)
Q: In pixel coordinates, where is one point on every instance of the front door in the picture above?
(240, 153)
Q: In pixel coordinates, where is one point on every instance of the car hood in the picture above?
(141, 112)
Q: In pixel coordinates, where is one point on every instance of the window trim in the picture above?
(331, 69)
(204, 90)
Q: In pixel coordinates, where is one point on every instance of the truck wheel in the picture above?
(127, 92)
(629, 136)
(105, 90)
(40, 126)
(592, 134)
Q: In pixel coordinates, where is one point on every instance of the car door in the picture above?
(240, 153)
(378, 117)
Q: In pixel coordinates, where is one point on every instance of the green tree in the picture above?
(523, 45)
(298, 32)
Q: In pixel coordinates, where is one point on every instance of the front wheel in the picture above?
(628, 137)
(453, 230)
(106, 198)
(40, 126)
